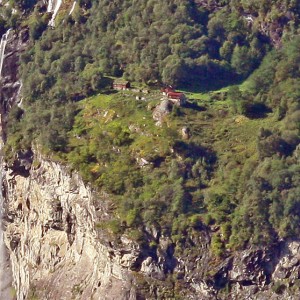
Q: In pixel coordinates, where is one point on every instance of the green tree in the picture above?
(242, 60)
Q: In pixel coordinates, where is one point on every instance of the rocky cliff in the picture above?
(59, 247)
(10, 87)
(10, 83)
(59, 250)
(53, 244)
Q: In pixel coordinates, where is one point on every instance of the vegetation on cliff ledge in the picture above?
(237, 172)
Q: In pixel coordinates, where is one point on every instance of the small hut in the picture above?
(177, 98)
(121, 84)
(167, 90)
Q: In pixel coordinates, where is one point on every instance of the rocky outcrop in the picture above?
(59, 249)
(161, 110)
(261, 273)
(6, 290)
(52, 238)
(10, 84)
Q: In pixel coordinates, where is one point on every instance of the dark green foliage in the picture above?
(242, 60)
(273, 144)
(37, 25)
(2, 26)
(149, 41)
(249, 197)
(24, 4)
(173, 42)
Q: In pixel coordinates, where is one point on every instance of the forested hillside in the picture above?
(236, 172)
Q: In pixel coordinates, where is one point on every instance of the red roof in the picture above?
(175, 95)
(167, 90)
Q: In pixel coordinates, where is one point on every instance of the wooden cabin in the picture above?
(167, 90)
(177, 98)
(120, 84)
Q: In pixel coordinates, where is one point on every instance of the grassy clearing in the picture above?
(114, 132)
(211, 122)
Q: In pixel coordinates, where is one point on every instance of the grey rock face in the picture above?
(10, 83)
(9, 93)
(52, 239)
(57, 252)
(161, 110)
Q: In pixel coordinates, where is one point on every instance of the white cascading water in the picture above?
(19, 98)
(50, 6)
(72, 8)
(3, 43)
(55, 10)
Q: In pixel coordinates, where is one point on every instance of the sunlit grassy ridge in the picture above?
(176, 181)
(235, 172)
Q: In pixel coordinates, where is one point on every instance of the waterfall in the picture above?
(72, 9)
(19, 98)
(55, 11)
(3, 43)
(50, 6)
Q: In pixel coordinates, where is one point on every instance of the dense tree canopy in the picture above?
(250, 198)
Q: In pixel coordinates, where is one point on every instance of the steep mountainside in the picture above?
(135, 193)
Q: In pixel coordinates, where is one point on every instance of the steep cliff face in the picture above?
(12, 46)
(52, 239)
(58, 251)
(10, 83)
(6, 291)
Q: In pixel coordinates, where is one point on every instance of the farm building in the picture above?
(120, 84)
(177, 98)
(167, 90)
